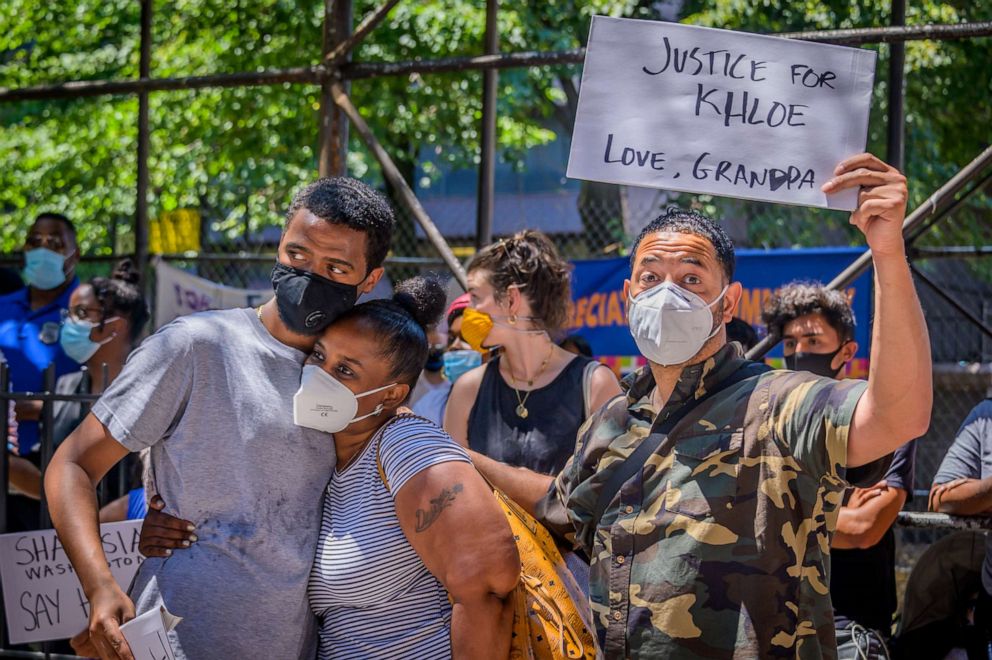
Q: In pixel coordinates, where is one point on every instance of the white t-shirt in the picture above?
(373, 595)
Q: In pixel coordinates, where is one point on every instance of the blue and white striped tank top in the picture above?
(372, 593)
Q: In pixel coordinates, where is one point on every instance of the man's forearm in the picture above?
(900, 383)
(25, 477)
(28, 411)
(850, 529)
(970, 499)
(523, 486)
(482, 629)
(72, 501)
(864, 526)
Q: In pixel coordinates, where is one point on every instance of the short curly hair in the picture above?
(687, 221)
(800, 298)
(349, 202)
(529, 260)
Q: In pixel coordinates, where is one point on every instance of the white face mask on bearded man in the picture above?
(670, 325)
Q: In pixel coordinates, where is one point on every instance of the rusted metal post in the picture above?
(487, 161)
(895, 146)
(344, 47)
(313, 75)
(141, 204)
(333, 134)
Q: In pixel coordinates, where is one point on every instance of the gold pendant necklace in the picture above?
(521, 409)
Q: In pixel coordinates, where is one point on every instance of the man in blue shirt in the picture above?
(29, 335)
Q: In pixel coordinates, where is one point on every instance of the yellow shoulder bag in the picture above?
(551, 617)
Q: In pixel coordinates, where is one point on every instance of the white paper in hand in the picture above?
(146, 635)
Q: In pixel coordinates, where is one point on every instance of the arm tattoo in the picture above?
(438, 504)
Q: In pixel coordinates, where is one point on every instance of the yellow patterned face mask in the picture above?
(476, 326)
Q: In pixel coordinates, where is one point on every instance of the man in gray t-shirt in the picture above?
(963, 483)
(211, 396)
(963, 487)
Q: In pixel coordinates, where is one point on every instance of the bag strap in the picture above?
(639, 457)
(378, 464)
(587, 373)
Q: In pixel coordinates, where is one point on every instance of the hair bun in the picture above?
(126, 272)
(423, 298)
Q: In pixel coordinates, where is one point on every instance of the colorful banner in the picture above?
(598, 313)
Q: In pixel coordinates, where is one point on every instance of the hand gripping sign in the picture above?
(700, 110)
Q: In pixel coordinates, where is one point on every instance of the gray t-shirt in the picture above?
(212, 394)
(970, 456)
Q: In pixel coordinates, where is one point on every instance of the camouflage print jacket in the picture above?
(719, 548)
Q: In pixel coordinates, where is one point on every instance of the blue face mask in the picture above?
(43, 268)
(457, 363)
(76, 342)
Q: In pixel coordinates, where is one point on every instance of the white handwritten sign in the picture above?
(41, 593)
(178, 293)
(679, 107)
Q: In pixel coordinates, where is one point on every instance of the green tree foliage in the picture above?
(236, 154)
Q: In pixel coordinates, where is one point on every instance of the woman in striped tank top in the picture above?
(415, 558)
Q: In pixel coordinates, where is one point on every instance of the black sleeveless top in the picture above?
(545, 440)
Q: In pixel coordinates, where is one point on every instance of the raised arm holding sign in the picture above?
(687, 108)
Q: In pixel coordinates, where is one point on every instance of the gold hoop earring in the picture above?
(512, 319)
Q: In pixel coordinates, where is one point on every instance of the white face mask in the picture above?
(324, 403)
(669, 324)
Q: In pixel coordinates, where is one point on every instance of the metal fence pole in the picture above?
(333, 160)
(352, 71)
(487, 165)
(141, 206)
(46, 432)
(895, 146)
(949, 210)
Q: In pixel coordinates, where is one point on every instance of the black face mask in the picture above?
(814, 363)
(435, 359)
(308, 303)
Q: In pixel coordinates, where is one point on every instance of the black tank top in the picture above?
(546, 439)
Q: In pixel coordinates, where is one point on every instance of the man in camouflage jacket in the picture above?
(719, 546)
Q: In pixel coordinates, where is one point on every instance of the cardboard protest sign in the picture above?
(727, 113)
(41, 593)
